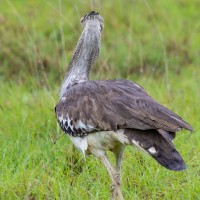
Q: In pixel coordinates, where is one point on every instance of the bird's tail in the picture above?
(159, 147)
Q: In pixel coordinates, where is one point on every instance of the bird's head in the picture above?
(92, 18)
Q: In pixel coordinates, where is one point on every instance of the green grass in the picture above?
(38, 37)
(38, 161)
(155, 43)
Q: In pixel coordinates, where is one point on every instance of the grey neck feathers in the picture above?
(85, 53)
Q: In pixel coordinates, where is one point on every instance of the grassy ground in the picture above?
(37, 159)
(155, 43)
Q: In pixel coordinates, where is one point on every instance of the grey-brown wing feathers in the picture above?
(114, 104)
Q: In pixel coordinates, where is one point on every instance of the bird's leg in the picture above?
(119, 152)
(113, 175)
(115, 186)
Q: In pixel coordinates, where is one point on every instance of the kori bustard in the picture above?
(103, 115)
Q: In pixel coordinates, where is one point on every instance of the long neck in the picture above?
(85, 53)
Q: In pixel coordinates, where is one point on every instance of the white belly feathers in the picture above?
(104, 140)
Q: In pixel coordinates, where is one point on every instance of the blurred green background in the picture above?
(155, 43)
(38, 37)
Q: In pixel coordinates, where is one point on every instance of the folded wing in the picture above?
(111, 105)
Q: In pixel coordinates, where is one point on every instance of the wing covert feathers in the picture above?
(115, 104)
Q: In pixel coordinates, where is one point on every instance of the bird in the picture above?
(108, 115)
